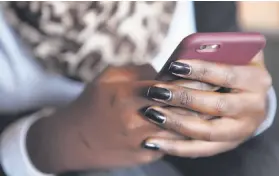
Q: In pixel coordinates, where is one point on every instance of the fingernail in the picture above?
(159, 93)
(151, 146)
(180, 68)
(155, 116)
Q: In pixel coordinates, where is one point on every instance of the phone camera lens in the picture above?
(202, 47)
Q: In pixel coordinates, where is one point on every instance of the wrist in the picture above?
(53, 146)
(13, 147)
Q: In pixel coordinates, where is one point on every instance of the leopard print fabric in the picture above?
(80, 39)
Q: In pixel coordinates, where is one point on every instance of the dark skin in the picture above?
(241, 111)
(103, 128)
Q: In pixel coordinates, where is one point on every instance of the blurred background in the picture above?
(264, 17)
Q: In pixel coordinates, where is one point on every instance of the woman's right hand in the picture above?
(102, 129)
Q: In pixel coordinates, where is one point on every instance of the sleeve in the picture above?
(24, 84)
(221, 16)
(271, 112)
(13, 153)
(24, 87)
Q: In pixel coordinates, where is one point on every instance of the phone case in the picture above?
(236, 48)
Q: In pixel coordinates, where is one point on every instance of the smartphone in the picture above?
(236, 48)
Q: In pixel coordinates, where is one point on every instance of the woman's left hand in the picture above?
(241, 111)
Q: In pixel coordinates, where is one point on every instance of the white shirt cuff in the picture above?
(271, 112)
(13, 153)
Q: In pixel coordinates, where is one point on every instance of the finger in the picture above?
(223, 129)
(238, 77)
(188, 112)
(161, 134)
(191, 149)
(195, 85)
(212, 103)
(167, 135)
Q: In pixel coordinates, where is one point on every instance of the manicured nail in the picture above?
(155, 116)
(180, 68)
(151, 146)
(159, 93)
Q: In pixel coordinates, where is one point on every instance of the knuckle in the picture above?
(221, 105)
(130, 126)
(176, 125)
(185, 97)
(201, 73)
(230, 78)
(209, 134)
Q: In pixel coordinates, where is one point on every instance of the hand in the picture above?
(241, 111)
(101, 129)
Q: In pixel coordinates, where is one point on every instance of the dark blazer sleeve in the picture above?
(216, 16)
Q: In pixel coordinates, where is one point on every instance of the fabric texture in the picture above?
(81, 42)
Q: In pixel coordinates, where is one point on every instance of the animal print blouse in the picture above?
(80, 39)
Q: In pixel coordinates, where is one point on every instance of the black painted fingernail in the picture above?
(151, 146)
(155, 116)
(159, 93)
(180, 68)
